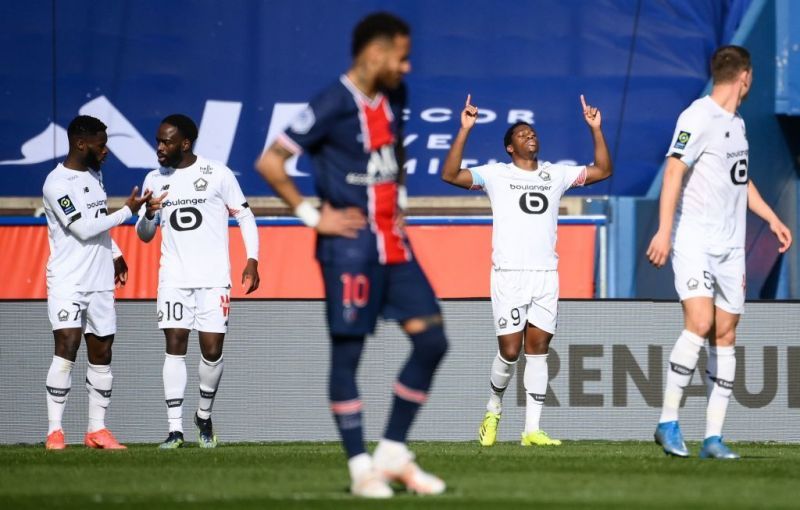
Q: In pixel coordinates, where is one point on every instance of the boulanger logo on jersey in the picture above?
(533, 202)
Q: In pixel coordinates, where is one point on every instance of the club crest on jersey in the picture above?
(545, 176)
(502, 323)
(66, 204)
(692, 284)
(683, 139)
(206, 169)
(200, 184)
(304, 121)
(63, 315)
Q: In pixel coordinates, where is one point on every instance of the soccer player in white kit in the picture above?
(702, 216)
(193, 198)
(525, 196)
(84, 266)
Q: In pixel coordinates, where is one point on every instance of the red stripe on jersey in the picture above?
(378, 124)
(383, 216)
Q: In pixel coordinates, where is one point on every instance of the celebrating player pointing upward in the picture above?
(525, 196)
(702, 218)
(352, 130)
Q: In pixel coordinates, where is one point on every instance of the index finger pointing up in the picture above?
(469, 99)
(583, 102)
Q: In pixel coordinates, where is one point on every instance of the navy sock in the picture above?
(343, 392)
(414, 381)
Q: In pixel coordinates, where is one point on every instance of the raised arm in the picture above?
(451, 170)
(87, 227)
(660, 245)
(337, 222)
(602, 166)
(761, 209)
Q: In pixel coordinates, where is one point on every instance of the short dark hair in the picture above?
(375, 26)
(84, 125)
(183, 124)
(728, 61)
(510, 133)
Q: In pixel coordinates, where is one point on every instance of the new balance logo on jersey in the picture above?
(200, 184)
(165, 187)
(86, 189)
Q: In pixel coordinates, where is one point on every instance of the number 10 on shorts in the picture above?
(355, 290)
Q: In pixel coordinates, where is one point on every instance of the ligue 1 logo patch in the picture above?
(683, 139)
(66, 204)
(303, 123)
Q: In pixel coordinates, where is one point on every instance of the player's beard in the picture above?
(93, 162)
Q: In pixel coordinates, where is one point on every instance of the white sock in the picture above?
(174, 375)
(502, 371)
(210, 374)
(682, 362)
(535, 379)
(98, 384)
(58, 384)
(719, 378)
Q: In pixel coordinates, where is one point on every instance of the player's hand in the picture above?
(120, 272)
(250, 278)
(591, 114)
(135, 201)
(341, 222)
(153, 205)
(659, 249)
(400, 221)
(469, 115)
(783, 234)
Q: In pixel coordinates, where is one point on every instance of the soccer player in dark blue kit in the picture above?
(353, 132)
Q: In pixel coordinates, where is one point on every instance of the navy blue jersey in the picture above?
(352, 140)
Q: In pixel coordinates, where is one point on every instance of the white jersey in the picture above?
(194, 223)
(712, 209)
(525, 211)
(75, 265)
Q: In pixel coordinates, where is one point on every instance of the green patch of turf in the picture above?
(587, 474)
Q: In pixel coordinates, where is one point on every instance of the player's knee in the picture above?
(212, 353)
(510, 353)
(726, 338)
(430, 345)
(700, 326)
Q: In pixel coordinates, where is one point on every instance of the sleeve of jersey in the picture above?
(146, 228)
(240, 209)
(575, 176)
(310, 126)
(687, 140)
(87, 227)
(67, 208)
(478, 182)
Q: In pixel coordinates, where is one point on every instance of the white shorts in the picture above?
(524, 296)
(93, 312)
(204, 309)
(721, 277)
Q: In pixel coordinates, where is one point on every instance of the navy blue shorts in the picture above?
(357, 293)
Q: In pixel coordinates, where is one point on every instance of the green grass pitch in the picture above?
(578, 474)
